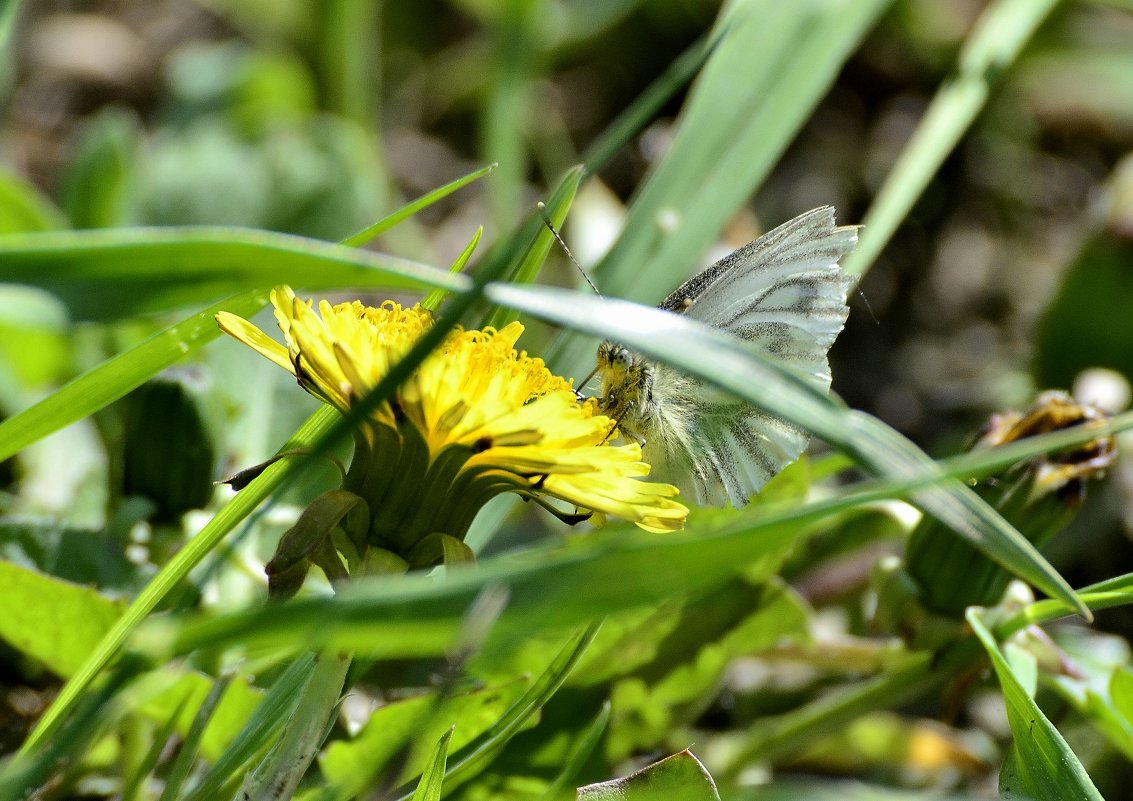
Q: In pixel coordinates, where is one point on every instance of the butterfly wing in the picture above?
(785, 294)
(722, 450)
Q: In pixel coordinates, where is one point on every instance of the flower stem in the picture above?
(277, 776)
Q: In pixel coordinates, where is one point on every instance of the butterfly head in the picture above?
(613, 358)
(627, 383)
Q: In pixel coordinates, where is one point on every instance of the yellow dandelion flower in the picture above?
(476, 418)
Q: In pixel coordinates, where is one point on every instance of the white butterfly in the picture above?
(785, 294)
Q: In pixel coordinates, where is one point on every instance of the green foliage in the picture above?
(534, 663)
(54, 622)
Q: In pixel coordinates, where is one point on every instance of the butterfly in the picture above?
(783, 293)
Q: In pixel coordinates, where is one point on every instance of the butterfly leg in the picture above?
(627, 433)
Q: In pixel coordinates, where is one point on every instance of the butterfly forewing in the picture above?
(783, 292)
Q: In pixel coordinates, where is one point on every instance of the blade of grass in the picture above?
(346, 56)
(429, 788)
(771, 385)
(110, 274)
(507, 105)
(1002, 30)
(259, 730)
(731, 131)
(472, 758)
(192, 742)
(408, 210)
(434, 299)
(549, 587)
(420, 617)
(728, 137)
(526, 270)
(1116, 591)
(283, 767)
(510, 256)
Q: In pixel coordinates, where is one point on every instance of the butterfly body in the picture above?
(784, 294)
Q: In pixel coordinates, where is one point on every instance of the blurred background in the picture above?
(1012, 274)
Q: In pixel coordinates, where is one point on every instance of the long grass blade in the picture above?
(1000, 34)
(728, 137)
(192, 742)
(411, 208)
(1040, 764)
(771, 385)
(112, 274)
(260, 730)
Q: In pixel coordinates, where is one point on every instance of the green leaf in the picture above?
(22, 207)
(53, 621)
(429, 788)
(81, 556)
(1040, 765)
(679, 776)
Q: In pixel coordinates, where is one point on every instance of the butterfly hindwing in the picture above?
(726, 451)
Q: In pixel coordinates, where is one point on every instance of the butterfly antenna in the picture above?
(551, 226)
(868, 308)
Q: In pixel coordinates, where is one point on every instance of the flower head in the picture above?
(477, 418)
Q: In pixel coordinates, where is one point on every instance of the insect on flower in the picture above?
(785, 294)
